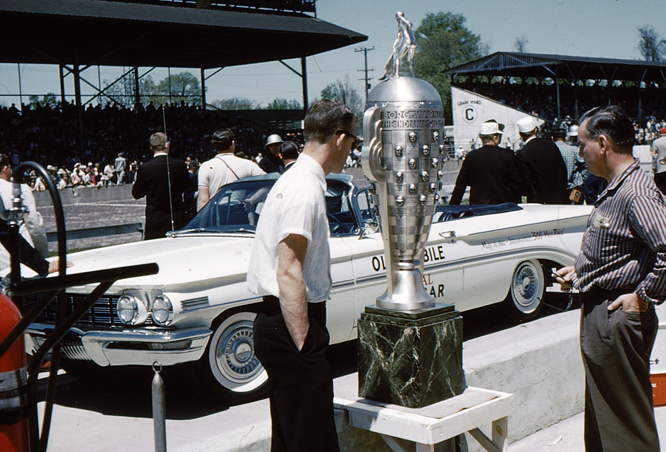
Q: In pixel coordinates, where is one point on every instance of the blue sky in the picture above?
(595, 28)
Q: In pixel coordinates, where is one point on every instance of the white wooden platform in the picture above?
(435, 423)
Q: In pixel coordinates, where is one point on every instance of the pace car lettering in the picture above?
(536, 235)
(434, 291)
(440, 291)
(548, 233)
(378, 263)
(493, 245)
(434, 253)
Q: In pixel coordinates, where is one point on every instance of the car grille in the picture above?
(102, 313)
(71, 349)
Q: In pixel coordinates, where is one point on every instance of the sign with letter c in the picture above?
(469, 114)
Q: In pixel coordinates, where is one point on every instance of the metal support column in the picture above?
(203, 89)
(63, 98)
(137, 94)
(304, 77)
(557, 85)
(18, 68)
(640, 103)
(576, 99)
(76, 71)
(169, 78)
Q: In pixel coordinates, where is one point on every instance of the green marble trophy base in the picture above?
(411, 359)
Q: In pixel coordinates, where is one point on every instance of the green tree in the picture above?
(121, 92)
(48, 100)
(284, 104)
(346, 93)
(443, 42)
(651, 45)
(235, 103)
(181, 87)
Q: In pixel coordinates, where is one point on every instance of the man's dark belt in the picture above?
(272, 305)
(595, 294)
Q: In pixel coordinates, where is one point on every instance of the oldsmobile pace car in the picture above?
(198, 312)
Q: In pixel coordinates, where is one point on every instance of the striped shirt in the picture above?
(624, 245)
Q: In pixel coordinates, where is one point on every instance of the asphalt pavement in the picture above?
(567, 435)
(116, 415)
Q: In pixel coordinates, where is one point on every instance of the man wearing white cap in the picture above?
(542, 167)
(490, 171)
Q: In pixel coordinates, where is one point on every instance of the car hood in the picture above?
(209, 259)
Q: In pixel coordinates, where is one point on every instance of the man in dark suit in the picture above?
(162, 180)
(542, 167)
(490, 171)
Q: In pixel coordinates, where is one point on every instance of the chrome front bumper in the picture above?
(125, 347)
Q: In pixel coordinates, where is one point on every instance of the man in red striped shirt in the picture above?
(621, 274)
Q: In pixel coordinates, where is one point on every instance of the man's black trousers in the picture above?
(616, 347)
(301, 383)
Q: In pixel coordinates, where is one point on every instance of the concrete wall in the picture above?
(540, 363)
(86, 195)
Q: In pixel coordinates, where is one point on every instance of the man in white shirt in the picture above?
(33, 227)
(290, 267)
(224, 168)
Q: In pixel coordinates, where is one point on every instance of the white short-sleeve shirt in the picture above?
(7, 196)
(224, 169)
(295, 205)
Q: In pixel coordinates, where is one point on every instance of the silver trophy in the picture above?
(403, 129)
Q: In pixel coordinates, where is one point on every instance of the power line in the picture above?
(365, 51)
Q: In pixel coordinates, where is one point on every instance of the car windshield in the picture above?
(237, 207)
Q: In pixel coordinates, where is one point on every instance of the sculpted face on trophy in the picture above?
(402, 129)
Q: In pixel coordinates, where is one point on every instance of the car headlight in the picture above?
(131, 310)
(162, 311)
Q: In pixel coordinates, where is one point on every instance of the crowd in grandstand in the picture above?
(50, 135)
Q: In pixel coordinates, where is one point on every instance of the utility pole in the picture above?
(365, 51)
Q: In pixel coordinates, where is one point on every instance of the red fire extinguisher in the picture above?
(13, 382)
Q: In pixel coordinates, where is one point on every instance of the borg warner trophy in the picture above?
(410, 348)
(403, 128)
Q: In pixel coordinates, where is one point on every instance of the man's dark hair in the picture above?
(614, 123)
(289, 150)
(222, 139)
(560, 134)
(325, 118)
(487, 138)
(4, 161)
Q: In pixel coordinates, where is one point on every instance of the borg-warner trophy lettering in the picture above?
(403, 129)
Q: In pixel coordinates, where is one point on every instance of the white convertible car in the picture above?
(197, 310)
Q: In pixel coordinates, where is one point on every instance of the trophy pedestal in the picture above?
(411, 359)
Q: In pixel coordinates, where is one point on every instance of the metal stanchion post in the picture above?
(159, 409)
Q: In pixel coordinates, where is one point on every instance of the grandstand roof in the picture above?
(562, 66)
(98, 32)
